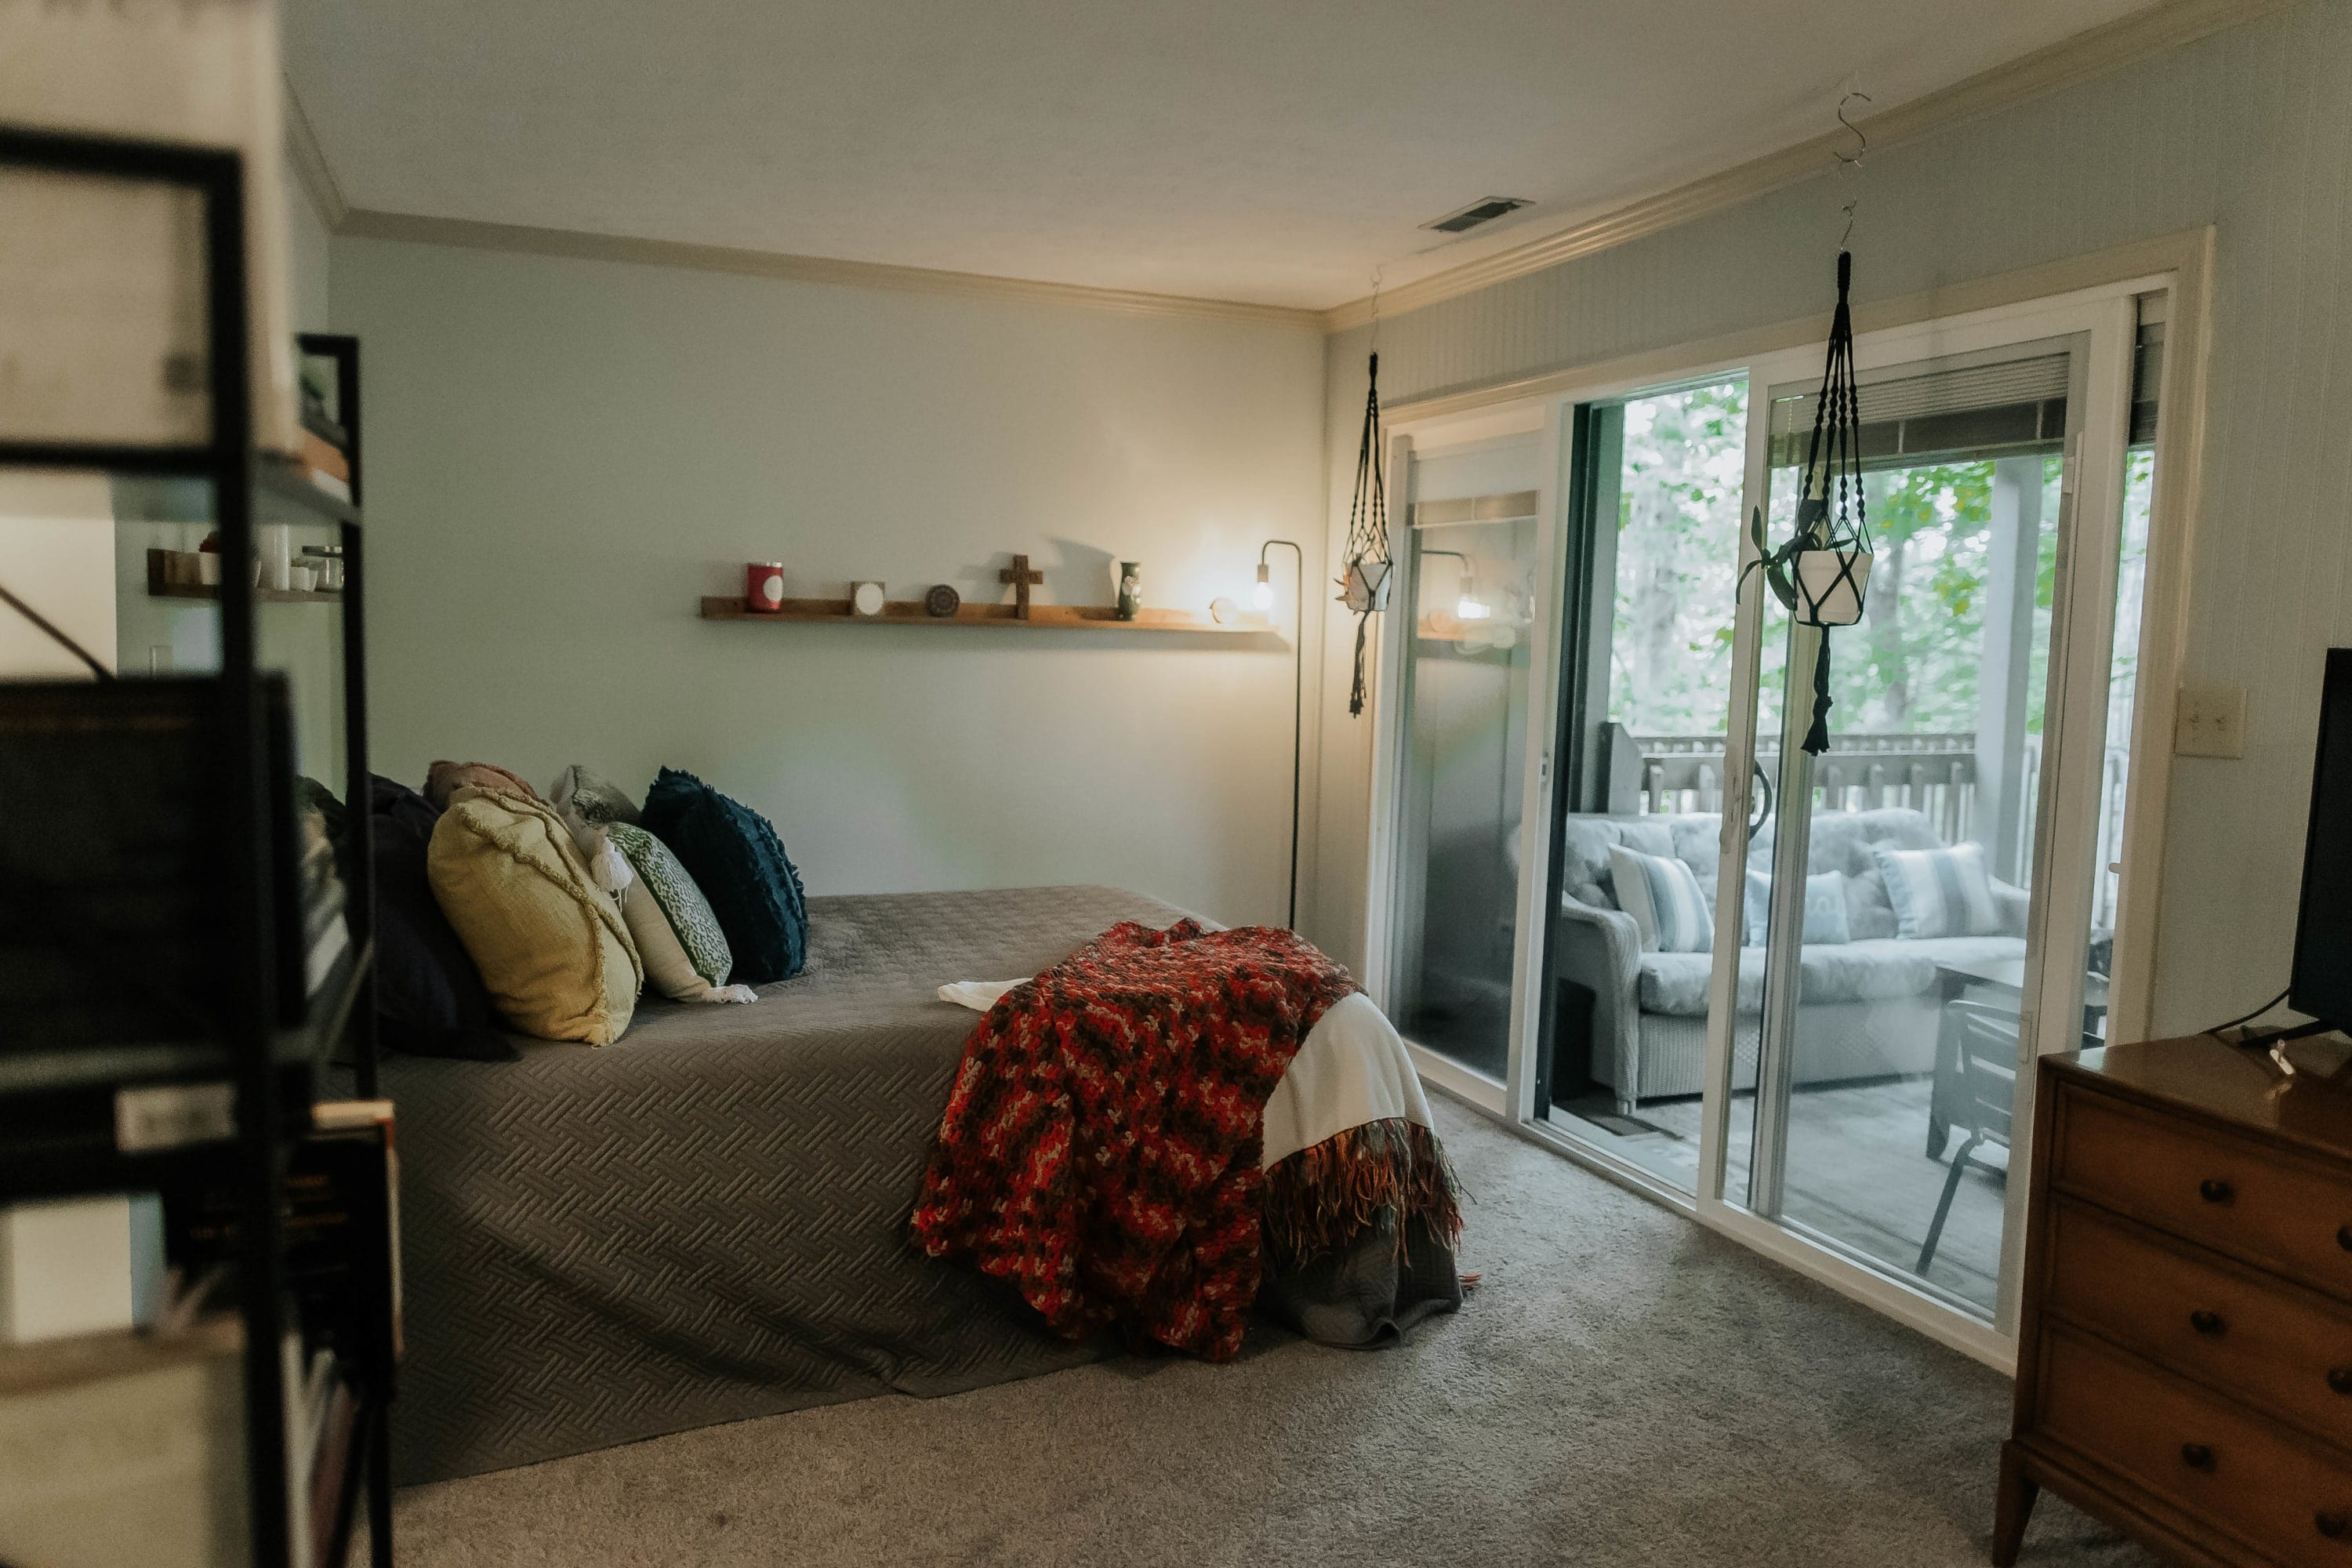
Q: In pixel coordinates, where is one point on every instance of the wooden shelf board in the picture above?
(1041, 617)
(157, 588)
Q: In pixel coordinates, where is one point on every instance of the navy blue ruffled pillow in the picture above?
(735, 858)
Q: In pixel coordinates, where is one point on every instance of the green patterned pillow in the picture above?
(685, 954)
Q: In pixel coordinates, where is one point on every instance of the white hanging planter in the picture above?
(1366, 588)
(1831, 586)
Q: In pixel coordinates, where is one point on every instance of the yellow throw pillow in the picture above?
(552, 946)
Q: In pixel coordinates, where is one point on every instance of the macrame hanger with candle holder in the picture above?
(1823, 574)
(1364, 588)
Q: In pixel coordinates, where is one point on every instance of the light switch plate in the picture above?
(2210, 722)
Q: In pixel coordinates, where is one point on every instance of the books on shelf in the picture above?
(334, 485)
(341, 1227)
(323, 458)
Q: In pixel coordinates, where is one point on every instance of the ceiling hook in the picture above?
(1852, 162)
(1861, 143)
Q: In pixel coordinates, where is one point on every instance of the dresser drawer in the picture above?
(2265, 1343)
(2211, 1188)
(2276, 1489)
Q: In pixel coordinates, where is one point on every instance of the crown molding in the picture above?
(310, 161)
(581, 245)
(2162, 26)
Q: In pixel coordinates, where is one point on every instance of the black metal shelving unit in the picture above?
(273, 1070)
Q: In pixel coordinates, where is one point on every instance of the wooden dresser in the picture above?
(2185, 1354)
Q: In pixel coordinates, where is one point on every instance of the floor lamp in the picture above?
(1263, 598)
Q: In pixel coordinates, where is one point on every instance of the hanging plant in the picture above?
(1823, 574)
(1364, 588)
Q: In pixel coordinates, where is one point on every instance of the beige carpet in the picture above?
(1624, 1388)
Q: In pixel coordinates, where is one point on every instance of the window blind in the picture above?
(2005, 409)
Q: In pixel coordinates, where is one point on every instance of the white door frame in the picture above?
(2178, 265)
(1407, 440)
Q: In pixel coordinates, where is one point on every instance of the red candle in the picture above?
(763, 586)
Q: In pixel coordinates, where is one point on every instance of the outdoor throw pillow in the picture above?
(1939, 892)
(735, 858)
(1662, 895)
(550, 944)
(591, 797)
(685, 954)
(1825, 916)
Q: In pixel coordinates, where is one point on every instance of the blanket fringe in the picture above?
(1387, 1172)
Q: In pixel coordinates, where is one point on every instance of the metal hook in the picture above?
(1861, 143)
(1861, 148)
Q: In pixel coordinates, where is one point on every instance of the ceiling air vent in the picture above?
(1487, 209)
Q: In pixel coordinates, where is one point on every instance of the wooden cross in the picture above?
(1021, 577)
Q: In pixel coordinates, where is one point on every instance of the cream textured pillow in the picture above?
(685, 954)
(552, 946)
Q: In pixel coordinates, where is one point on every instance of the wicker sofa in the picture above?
(1868, 1007)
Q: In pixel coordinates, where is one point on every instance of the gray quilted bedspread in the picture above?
(707, 1220)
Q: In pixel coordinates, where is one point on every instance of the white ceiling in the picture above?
(1270, 150)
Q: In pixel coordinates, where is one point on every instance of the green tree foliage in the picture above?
(1677, 559)
(1911, 666)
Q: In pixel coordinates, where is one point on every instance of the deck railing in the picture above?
(1933, 773)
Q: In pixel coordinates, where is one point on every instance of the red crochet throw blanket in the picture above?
(1100, 1151)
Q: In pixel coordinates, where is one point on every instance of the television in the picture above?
(2321, 981)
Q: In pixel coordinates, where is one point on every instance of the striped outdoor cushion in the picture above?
(1939, 892)
(1662, 895)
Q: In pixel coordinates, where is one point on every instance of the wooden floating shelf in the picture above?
(1041, 617)
(159, 587)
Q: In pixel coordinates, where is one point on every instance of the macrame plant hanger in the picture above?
(1365, 588)
(1823, 574)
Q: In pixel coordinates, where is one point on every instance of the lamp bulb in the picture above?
(1470, 609)
(1263, 594)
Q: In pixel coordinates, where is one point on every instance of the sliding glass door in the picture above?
(1923, 892)
(1466, 597)
(1616, 901)
(1888, 1032)
(1653, 537)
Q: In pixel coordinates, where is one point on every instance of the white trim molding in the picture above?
(366, 224)
(310, 161)
(2165, 25)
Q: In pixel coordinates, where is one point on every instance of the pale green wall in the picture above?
(306, 233)
(563, 456)
(2250, 131)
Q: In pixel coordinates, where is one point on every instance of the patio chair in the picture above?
(1987, 1036)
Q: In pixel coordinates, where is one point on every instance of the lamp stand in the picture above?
(1297, 702)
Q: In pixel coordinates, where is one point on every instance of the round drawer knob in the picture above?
(2333, 1523)
(2214, 1190)
(2340, 1378)
(2206, 1322)
(2197, 1456)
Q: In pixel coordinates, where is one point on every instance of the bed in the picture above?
(708, 1221)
